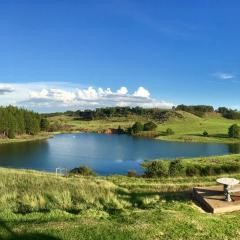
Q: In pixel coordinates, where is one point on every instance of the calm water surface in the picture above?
(106, 154)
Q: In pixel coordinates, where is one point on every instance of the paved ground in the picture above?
(212, 199)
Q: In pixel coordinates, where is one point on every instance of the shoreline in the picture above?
(215, 159)
(178, 138)
(48, 135)
(26, 138)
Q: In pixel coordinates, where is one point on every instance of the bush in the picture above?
(137, 127)
(84, 171)
(192, 171)
(156, 168)
(234, 131)
(149, 126)
(176, 168)
(120, 130)
(206, 170)
(169, 131)
(205, 134)
(132, 173)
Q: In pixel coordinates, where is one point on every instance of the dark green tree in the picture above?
(44, 124)
(234, 131)
(205, 134)
(137, 127)
(169, 131)
(149, 126)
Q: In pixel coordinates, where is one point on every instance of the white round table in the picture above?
(227, 183)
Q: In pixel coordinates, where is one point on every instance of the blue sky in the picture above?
(57, 54)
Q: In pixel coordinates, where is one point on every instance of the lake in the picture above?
(105, 154)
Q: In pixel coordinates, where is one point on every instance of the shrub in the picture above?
(120, 130)
(137, 127)
(205, 134)
(169, 131)
(132, 173)
(176, 168)
(192, 171)
(234, 131)
(206, 170)
(156, 168)
(149, 126)
(84, 171)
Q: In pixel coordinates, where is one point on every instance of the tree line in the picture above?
(151, 113)
(16, 121)
(200, 110)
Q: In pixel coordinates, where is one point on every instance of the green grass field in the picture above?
(189, 128)
(37, 205)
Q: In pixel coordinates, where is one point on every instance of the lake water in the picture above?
(106, 154)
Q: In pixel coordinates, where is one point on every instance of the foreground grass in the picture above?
(189, 128)
(37, 205)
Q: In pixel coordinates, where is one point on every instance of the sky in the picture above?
(58, 55)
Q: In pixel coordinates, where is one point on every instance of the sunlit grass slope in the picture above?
(191, 128)
(38, 205)
(188, 127)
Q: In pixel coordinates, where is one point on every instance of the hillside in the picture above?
(37, 205)
(191, 127)
(186, 126)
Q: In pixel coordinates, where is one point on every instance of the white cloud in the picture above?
(122, 90)
(141, 92)
(224, 76)
(47, 97)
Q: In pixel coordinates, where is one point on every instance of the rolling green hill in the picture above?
(186, 126)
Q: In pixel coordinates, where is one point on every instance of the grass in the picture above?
(95, 125)
(25, 138)
(189, 128)
(37, 205)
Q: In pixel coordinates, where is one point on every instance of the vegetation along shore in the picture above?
(182, 123)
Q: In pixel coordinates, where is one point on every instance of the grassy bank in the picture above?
(201, 166)
(37, 205)
(26, 138)
(187, 128)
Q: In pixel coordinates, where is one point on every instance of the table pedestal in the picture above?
(226, 193)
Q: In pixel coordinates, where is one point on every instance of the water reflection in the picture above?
(234, 148)
(106, 154)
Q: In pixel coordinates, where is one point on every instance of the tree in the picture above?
(149, 126)
(205, 133)
(15, 121)
(137, 127)
(234, 131)
(169, 131)
(44, 124)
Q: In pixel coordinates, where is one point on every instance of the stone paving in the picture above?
(211, 199)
